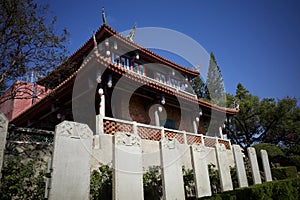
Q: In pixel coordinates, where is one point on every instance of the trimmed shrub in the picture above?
(282, 189)
(273, 150)
(281, 173)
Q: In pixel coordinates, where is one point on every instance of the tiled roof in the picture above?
(135, 77)
(89, 45)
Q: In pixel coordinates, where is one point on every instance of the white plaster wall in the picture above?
(151, 155)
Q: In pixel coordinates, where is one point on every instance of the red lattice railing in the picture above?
(147, 132)
(178, 136)
(225, 142)
(209, 142)
(111, 127)
(193, 139)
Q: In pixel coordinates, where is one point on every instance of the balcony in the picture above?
(110, 126)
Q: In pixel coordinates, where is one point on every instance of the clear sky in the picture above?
(255, 42)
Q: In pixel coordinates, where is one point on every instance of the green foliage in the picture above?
(266, 120)
(199, 87)
(293, 154)
(284, 189)
(295, 160)
(189, 182)
(280, 173)
(214, 178)
(234, 177)
(152, 183)
(272, 150)
(29, 41)
(21, 181)
(101, 183)
(214, 83)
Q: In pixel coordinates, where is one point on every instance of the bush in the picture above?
(101, 183)
(152, 183)
(295, 160)
(214, 178)
(273, 150)
(21, 180)
(281, 173)
(189, 183)
(283, 189)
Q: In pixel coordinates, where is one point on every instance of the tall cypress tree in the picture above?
(214, 83)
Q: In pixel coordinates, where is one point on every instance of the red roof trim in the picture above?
(150, 53)
(132, 75)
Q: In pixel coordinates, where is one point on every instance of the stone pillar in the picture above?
(3, 135)
(99, 125)
(48, 179)
(240, 166)
(71, 162)
(128, 169)
(224, 170)
(266, 165)
(254, 165)
(195, 127)
(200, 168)
(102, 103)
(156, 117)
(221, 132)
(172, 177)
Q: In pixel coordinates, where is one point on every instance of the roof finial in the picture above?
(103, 15)
(131, 34)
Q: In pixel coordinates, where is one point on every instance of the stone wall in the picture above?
(40, 153)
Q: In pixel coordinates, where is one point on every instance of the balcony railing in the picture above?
(156, 133)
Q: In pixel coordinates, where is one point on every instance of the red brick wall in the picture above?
(13, 107)
(139, 111)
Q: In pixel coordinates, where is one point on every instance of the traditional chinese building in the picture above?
(113, 76)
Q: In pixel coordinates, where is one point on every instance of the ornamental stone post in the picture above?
(3, 135)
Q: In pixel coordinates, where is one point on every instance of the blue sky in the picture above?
(255, 42)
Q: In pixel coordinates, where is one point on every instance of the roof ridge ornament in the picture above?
(131, 34)
(103, 16)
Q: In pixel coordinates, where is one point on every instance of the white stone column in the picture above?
(102, 104)
(71, 162)
(195, 127)
(172, 177)
(240, 166)
(224, 170)
(156, 117)
(200, 168)
(128, 168)
(99, 125)
(254, 165)
(3, 135)
(221, 132)
(266, 165)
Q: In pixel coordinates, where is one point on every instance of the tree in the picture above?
(214, 83)
(265, 120)
(199, 87)
(29, 42)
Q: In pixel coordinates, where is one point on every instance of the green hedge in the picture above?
(282, 189)
(281, 173)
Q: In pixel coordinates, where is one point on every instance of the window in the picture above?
(116, 58)
(160, 77)
(175, 83)
(169, 124)
(125, 62)
(137, 68)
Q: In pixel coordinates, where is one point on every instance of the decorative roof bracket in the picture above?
(103, 16)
